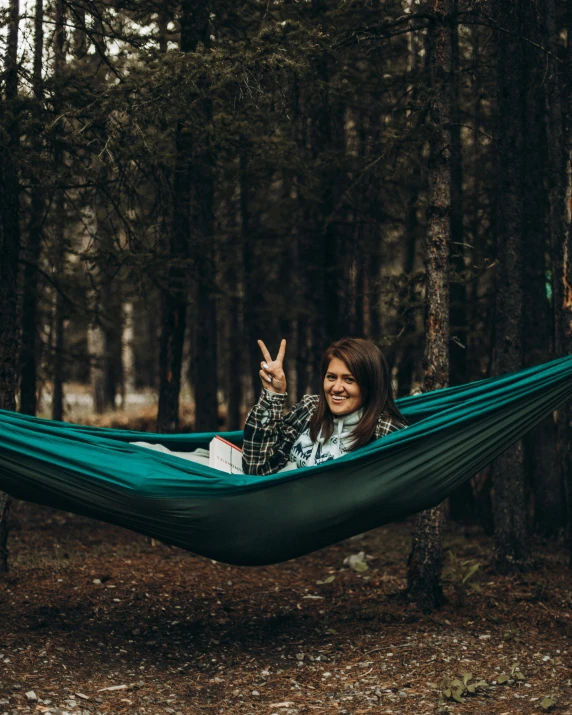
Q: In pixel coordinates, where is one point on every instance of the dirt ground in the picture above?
(96, 619)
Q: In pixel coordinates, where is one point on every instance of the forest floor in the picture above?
(96, 619)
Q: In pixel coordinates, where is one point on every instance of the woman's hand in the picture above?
(272, 373)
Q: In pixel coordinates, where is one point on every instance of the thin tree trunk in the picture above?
(254, 327)
(426, 557)
(110, 310)
(58, 356)
(9, 250)
(28, 349)
(373, 283)
(58, 373)
(512, 531)
(407, 355)
(127, 352)
(234, 362)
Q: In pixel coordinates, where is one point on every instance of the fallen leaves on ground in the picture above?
(97, 619)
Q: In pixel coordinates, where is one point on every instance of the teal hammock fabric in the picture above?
(246, 520)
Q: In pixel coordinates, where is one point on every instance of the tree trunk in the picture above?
(206, 410)
(175, 296)
(113, 329)
(254, 327)
(372, 282)
(9, 250)
(512, 537)
(405, 354)
(58, 357)
(206, 402)
(458, 319)
(96, 348)
(563, 271)
(426, 557)
(542, 463)
(127, 352)
(461, 501)
(234, 362)
(28, 348)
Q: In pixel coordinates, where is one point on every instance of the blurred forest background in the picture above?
(182, 178)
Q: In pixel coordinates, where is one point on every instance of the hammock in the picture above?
(239, 519)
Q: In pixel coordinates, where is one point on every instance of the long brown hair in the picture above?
(367, 364)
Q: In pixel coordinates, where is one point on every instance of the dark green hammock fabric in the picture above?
(246, 520)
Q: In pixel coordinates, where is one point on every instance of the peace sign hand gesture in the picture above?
(272, 373)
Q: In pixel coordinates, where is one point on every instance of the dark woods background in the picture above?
(182, 178)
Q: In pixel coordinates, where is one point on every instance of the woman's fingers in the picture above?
(274, 370)
(267, 357)
(265, 352)
(281, 352)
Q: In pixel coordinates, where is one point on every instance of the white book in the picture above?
(225, 456)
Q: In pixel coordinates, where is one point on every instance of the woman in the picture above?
(354, 407)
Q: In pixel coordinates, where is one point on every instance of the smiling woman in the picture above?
(354, 407)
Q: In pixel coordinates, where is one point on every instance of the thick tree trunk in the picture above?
(542, 463)
(10, 240)
(330, 127)
(58, 372)
(512, 532)
(206, 403)
(29, 348)
(175, 297)
(458, 317)
(9, 250)
(255, 327)
(461, 501)
(563, 270)
(426, 557)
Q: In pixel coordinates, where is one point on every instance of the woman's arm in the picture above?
(387, 424)
(269, 434)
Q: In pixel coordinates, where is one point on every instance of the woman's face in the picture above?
(343, 394)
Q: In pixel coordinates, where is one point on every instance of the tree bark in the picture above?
(175, 296)
(29, 347)
(461, 501)
(58, 357)
(563, 272)
(512, 531)
(254, 327)
(543, 142)
(206, 402)
(426, 557)
(9, 248)
(58, 372)
(235, 368)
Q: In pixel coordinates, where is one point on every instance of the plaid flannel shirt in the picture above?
(269, 433)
